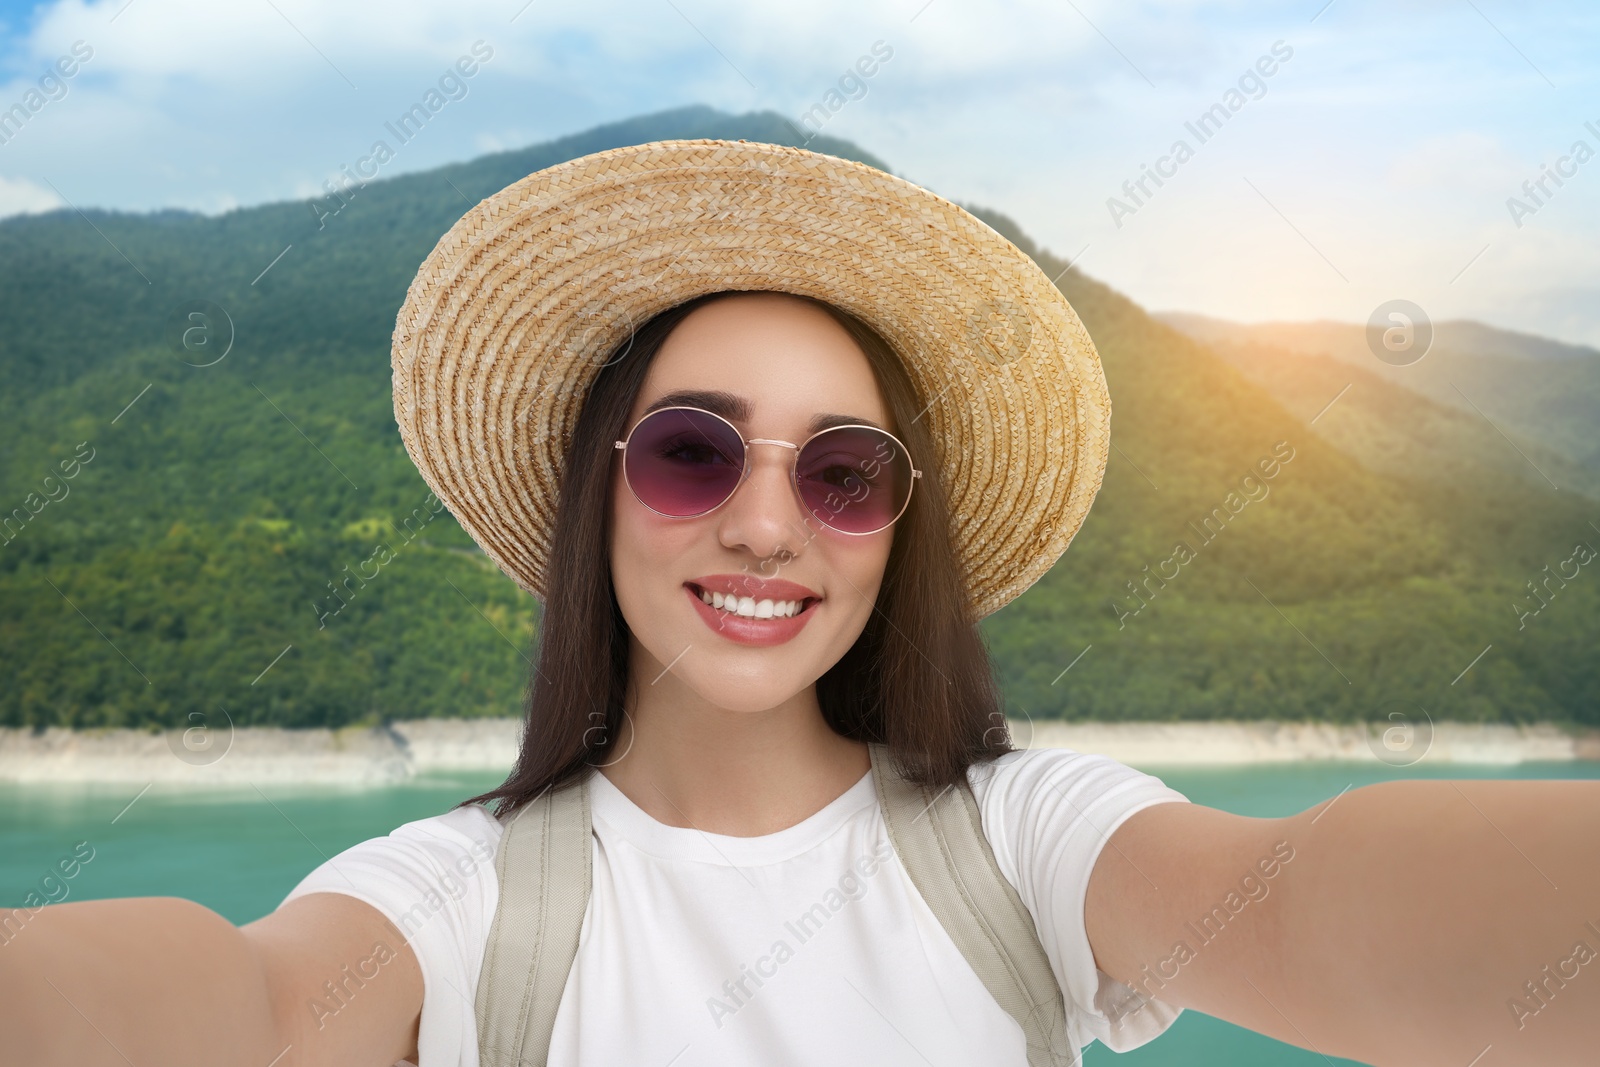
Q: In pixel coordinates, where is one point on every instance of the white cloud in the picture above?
(1391, 139)
(20, 196)
(251, 45)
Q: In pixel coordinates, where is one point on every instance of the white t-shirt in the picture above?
(700, 949)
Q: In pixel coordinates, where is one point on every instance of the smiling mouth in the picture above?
(751, 608)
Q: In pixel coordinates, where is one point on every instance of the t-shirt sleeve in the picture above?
(435, 880)
(1047, 813)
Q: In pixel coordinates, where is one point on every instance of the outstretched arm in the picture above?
(1419, 922)
(160, 980)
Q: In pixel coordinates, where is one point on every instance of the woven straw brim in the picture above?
(516, 309)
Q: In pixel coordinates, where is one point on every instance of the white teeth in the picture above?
(750, 608)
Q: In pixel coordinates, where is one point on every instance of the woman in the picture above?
(820, 423)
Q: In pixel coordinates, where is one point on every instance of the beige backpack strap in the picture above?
(940, 842)
(543, 865)
(544, 869)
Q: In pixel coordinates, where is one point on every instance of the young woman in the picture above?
(835, 421)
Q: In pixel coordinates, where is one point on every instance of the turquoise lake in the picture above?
(239, 853)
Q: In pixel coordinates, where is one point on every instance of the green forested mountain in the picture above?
(1543, 393)
(176, 530)
(1395, 427)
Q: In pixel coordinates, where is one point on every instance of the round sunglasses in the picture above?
(685, 462)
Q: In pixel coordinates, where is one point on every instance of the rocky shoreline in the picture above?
(366, 757)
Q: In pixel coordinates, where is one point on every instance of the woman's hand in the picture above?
(1417, 922)
(164, 980)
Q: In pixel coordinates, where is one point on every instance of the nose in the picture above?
(764, 515)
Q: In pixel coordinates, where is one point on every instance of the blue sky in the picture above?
(1374, 162)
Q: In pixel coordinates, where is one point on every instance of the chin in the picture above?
(745, 691)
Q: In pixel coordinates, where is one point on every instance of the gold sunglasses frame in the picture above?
(794, 467)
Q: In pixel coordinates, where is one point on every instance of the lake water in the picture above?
(239, 853)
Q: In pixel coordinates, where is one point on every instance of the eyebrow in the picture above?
(736, 408)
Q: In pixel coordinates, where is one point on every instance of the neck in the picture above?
(690, 763)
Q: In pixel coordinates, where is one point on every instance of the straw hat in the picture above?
(518, 307)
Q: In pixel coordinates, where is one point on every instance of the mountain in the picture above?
(1541, 394)
(110, 279)
(1479, 339)
(203, 555)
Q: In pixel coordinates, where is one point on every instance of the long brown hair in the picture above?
(918, 679)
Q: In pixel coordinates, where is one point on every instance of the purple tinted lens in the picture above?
(854, 479)
(683, 462)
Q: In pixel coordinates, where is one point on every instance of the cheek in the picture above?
(630, 542)
(643, 547)
(855, 568)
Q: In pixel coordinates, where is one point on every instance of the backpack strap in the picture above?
(543, 866)
(940, 842)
